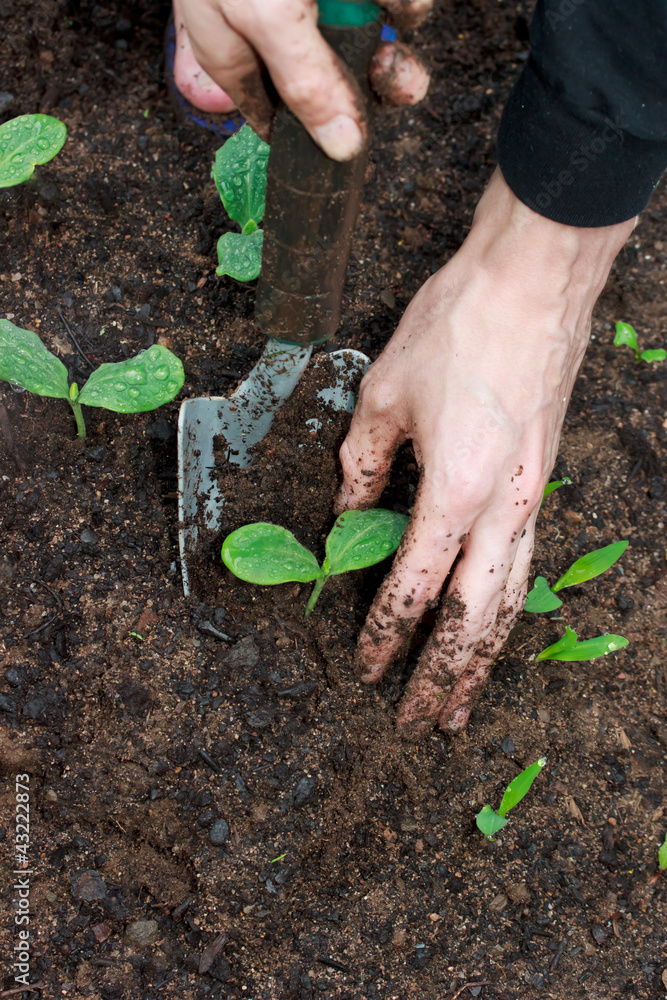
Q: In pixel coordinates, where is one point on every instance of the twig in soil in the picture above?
(333, 964)
(40, 628)
(212, 630)
(24, 989)
(74, 340)
(485, 982)
(209, 761)
(210, 953)
(54, 595)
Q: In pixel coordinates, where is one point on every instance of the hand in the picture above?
(231, 39)
(478, 376)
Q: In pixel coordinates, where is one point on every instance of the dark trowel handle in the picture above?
(312, 201)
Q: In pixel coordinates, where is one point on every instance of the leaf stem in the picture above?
(78, 416)
(317, 589)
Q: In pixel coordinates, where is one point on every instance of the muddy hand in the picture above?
(233, 39)
(478, 376)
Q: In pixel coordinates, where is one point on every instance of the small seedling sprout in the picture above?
(25, 142)
(555, 485)
(626, 336)
(268, 554)
(570, 649)
(148, 380)
(239, 172)
(542, 597)
(662, 855)
(488, 820)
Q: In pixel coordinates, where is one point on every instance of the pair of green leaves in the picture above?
(488, 820)
(239, 173)
(626, 336)
(268, 554)
(26, 141)
(543, 597)
(141, 383)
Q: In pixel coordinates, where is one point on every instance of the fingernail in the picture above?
(340, 138)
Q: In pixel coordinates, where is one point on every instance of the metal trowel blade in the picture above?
(242, 420)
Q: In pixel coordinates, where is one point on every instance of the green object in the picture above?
(556, 485)
(239, 172)
(541, 598)
(489, 821)
(569, 649)
(26, 141)
(591, 565)
(348, 13)
(626, 336)
(268, 554)
(662, 855)
(142, 383)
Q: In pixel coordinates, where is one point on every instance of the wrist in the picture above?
(545, 257)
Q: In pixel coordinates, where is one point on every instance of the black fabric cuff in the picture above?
(573, 165)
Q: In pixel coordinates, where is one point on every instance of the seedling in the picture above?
(662, 855)
(26, 141)
(141, 383)
(239, 173)
(627, 337)
(555, 485)
(543, 598)
(569, 648)
(268, 554)
(488, 820)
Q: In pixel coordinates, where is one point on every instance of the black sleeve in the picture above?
(583, 137)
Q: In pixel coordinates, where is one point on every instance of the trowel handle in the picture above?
(312, 201)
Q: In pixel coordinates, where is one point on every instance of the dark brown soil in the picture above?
(212, 769)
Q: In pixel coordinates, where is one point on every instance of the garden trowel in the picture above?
(312, 204)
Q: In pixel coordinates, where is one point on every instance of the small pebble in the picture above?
(141, 933)
(219, 833)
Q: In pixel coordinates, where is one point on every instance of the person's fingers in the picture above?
(458, 704)
(483, 599)
(426, 554)
(229, 60)
(407, 13)
(368, 450)
(397, 76)
(307, 74)
(191, 80)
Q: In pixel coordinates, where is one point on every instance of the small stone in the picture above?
(141, 933)
(50, 795)
(518, 892)
(51, 897)
(599, 934)
(388, 298)
(88, 537)
(498, 903)
(244, 654)
(87, 886)
(205, 818)
(507, 746)
(101, 932)
(304, 791)
(7, 704)
(219, 833)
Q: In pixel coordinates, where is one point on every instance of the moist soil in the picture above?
(217, 807)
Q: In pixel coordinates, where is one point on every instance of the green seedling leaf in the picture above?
(144, 382)
(26, 362)
(240, 255)
(26, 141)
(267, 554)
(489, 822)
(556, 485)
(516, 789)
(361, 538)
(239, 173)
(541, 598)
(591, 565)
(626, 337)
(662, 855)
(653, 355)
(589, 649)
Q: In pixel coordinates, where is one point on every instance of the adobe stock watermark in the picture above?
(562, 12)
(22, 873)
(580, 161)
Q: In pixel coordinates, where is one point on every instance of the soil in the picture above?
(218, 808)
